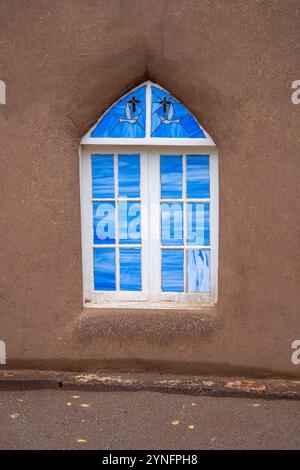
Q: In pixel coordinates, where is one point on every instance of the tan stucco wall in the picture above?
(232, 64)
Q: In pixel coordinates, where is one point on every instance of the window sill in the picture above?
(165, 305)
(154, 325)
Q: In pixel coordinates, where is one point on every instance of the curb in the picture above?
(164, 383)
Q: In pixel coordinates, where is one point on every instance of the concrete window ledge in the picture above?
(161, 324)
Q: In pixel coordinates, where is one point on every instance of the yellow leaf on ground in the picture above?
(84, 405)
(175, 422)
(194, 404)
(191, 426)
(75, 396)
(80, 440)
(69, 403)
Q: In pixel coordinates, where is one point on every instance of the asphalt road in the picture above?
(59, 419)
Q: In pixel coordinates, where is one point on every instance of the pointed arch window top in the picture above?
(148, 115)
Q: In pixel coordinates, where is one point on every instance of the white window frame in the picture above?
(150, 150)
(151, 296)
(102, 297)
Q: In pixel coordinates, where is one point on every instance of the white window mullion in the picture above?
(117, 252)
(154, 226)
(148, 111)
(144, 188)
(184, 184)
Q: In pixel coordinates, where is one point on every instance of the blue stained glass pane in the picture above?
(197, 170)
(171, 177)
(104, 222)
(129, 222)
(198, 224)
(130, 269)
(172, 270)
(129, 175)
(169, 118)
(126, 118)
(172, 224)
(103, 175)
(104, 269)
(198, 270)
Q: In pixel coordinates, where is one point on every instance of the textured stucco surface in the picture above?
(232, 63)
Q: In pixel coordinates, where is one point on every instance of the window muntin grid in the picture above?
(185, 186)
(117, 243)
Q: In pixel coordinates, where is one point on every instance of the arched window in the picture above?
(149, 199)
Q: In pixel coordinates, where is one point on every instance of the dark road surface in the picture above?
(49, 419)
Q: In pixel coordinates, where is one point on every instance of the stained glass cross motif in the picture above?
(170, 118)
(164, 102)
(133, 103)
(125, 119)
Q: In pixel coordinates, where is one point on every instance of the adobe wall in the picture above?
(232, 64)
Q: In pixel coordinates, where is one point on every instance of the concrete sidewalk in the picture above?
(66, 419)
(192, 385)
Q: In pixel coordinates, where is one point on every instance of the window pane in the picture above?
(103, 176)
(198, 270)
(170, 118)
(197, 169)
(171, 177)
(130, 269)
(126, 118)
(129, 222)
(104, 269)
(104, 222)
(172, 224)
(172, 271)
(198, 224)
(129, 175)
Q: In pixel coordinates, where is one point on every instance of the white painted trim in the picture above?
(148, 110)
(214, 223)
(117, 250)
(154, 223)
(184, 221)
(86, 218)
(160, 142)
(144, 187)
(148, 140)
(151, 248)
(2, 352)
(2, 96)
